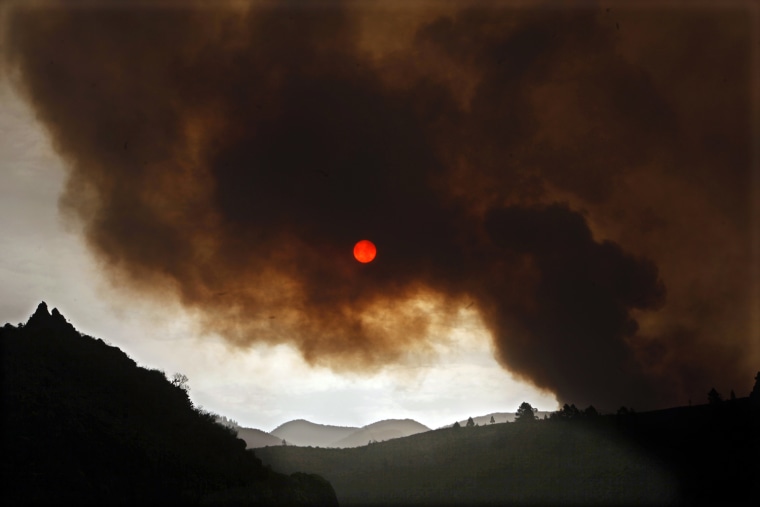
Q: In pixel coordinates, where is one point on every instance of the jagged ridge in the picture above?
(82, 423)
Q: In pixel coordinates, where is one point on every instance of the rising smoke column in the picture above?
(522, 159)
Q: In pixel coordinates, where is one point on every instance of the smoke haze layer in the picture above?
(580, 176)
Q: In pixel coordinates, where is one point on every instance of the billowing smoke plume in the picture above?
(581, 176)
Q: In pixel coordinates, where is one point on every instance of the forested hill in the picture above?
(83, 424)
(693, 455)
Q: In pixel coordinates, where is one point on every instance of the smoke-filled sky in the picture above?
(570, 189)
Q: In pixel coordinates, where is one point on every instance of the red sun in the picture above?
(365, 251)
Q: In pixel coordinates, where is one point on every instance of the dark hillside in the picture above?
(83, 424)
(678, 457)
(713, 449)
(257, 438)
(497, 464)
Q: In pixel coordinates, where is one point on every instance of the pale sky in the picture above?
(43, 258)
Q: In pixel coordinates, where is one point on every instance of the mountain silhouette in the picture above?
(257, 438)
(83, 424)
(306, 433)
(381, 431)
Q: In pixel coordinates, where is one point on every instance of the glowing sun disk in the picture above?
(365, 251)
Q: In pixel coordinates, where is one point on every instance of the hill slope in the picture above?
(381, 431)
(307, 433)
(257, 438)
(498, 417)
(501, 464)
(82, 423)
(687, 456)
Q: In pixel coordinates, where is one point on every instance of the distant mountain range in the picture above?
(303, 433)
(257, 438)
(306, 433)
(381, 431)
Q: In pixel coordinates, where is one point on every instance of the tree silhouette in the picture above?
(492, 420)
(470, 423)
(590, 411)
(567, 413)
(180, 380)
(457, 425)
(526, 413)
(714, 397)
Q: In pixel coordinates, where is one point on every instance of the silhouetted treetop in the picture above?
(590, 411)
(470, 422)
(566, 413)
(180, 380)
(525, 413)
(714, 397)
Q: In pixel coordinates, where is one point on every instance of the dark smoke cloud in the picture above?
(578, 318)
(543, 163)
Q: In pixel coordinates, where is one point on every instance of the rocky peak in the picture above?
(42, 318)
(42, 310)
(57, 315)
